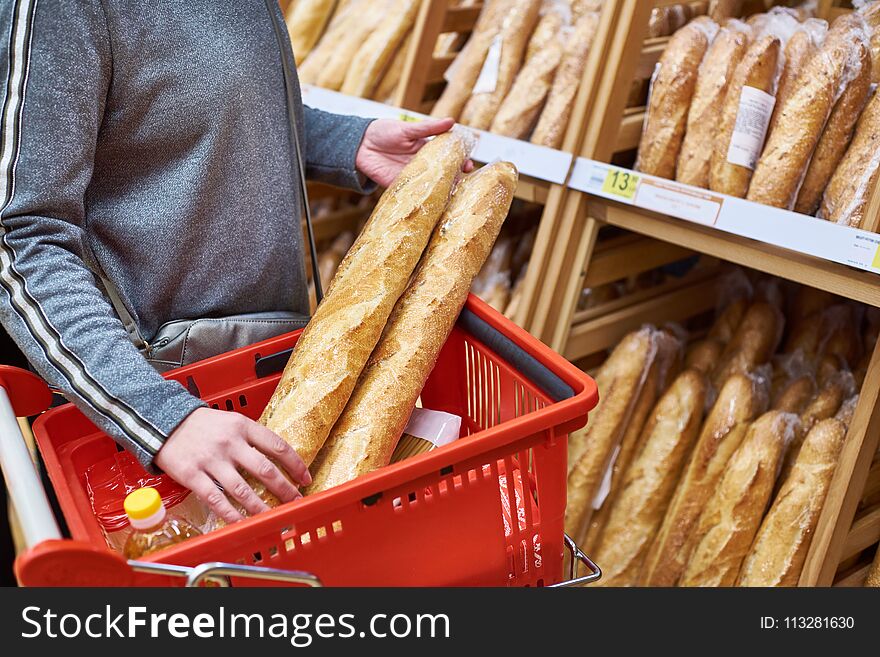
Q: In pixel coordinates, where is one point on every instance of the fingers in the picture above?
(270, 444)
(235, 486)
(264, 470)
(207, 491)
(427, 128)
(468, 166)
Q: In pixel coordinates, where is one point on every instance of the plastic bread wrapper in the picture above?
(554, 16)
(847, 410)
(426, 430)
(733, 286)
(790, 367)
(791, 429)
(770, 290)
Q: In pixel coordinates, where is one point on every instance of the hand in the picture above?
(212, 446)
(389, 145)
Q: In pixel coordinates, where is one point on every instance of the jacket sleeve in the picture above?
(55, 70)
(332, 143)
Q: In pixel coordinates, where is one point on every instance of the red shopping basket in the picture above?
(486, 510)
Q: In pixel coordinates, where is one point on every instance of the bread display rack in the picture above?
(837, 259)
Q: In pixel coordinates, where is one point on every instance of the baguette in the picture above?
(388, 84)
(367, 432)
(315, 387)
(347, 15)
(846, 196)
(721, 59)
(798, 50)
(725, 325)
(662, 369)
(871, 14)
(375, 53)
(481, 108)
(589, 450)
(780, 548)
(363, 22)
(547, 32)
(848, 410)
(465, 70)
(703, 355)
(306, 23)
(795, 396)
(732, 516)
(553, 121)
(659, 24)
(520, 110)
(783, 163)
(838, 131)
(754, 342)
(721, 9)
(650, 480)
(739, 402)
(671, 92)
(758, 69)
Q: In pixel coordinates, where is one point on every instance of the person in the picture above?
(148, 144)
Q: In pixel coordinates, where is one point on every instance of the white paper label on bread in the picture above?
(752, 119)
(605, 486)
(488, 79)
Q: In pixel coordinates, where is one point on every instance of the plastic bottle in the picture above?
(153, 528)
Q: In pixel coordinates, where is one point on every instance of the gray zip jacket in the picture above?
(153, 135)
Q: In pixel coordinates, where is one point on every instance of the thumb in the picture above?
(427, 128)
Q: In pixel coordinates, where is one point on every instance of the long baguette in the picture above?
(366, 433)
(703, 355)
(589, 450)
(481, 107)
(838, 131)
(374, 54)
(739, 402)
(650, 480)
(721, 59)
(783, 163)
(466, 68)
(728, 524)
(332, 351)
(553, 121)
(795, 396)
(758, 69)
(728, 320)
(798, 50)
(846, 196)
(341, 25)
(306, 23)
(780, 548)
(671, 92)
(754, 342)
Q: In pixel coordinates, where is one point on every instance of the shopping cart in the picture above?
(486, 510)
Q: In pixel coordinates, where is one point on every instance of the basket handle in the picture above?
(22, 393)
(525, 363)
(220, 572)
(576, 556)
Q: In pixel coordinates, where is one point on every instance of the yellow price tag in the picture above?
(620, 183)
(876, 262)
(409, 118)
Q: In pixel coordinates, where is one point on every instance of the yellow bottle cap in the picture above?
(142, 503)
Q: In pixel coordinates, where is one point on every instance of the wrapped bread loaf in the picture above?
(808, 301)
(728, 321)
(838, 132)
(659, 24)
(757, 70)
(305, 25)
(753, 343)
(650, 480)
(783, 163)
(732, 516)
(466, 68)
(366, 433)
(715, 73)
(590, 449)
(520, 110)
(663, 368)
(871, 14)
(374, 54)
(335, 346)
(482, 106)
(780, 548)
(671, 92)
(721, 9)
(516, 292)
(739, 402)
(553, 122)
(340, 27)
(846, 196)
(847, 411)
(800, 47)
(547, 31)
(703, 355)
(794, 397)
